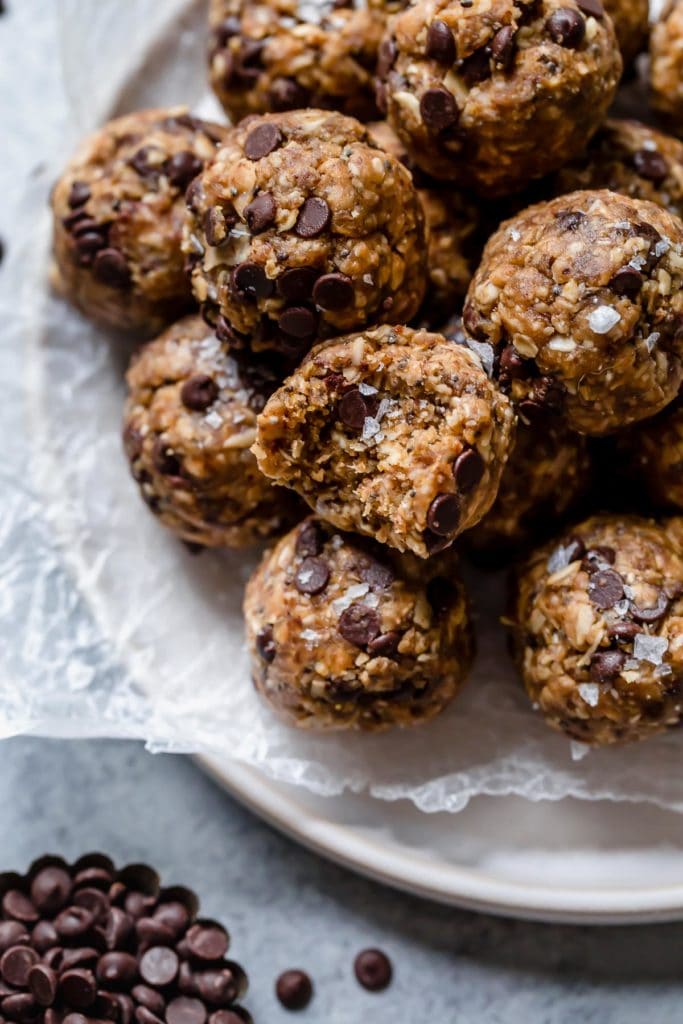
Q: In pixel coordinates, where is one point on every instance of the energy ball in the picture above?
(118, 214)
(189, 422)
(454, 232)
(302, 229)
(344, 635)
(598, 630)
(631, 158)
(652, 455)
(666, 65)
(580, 300)
(395, 433)
(274, 55)
(631, 25)
(494, 94)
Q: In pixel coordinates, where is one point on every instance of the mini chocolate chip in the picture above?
(373, 969)
(309, 540)
(182, 167)
(288, 94)
(438, 110)
(359, 624)
(376, 574)
(435, 543)
(624, 632)
(199, 392)
(298, 322)
(294, 989)
(566, 27)
(110, 268)
(593, 8)
(260, 213)
(226, 1017)
(83, 955)
(569, 220)
(87, 245)
(265, 644)
(651, 165)
(512, 366)
(117, 969)
(78, 988)
(312, 576)
(79, 194)
(251, 279)
(605, 588)
(477, 67)
(443, 515)
(440, 43)
(504, 46)
(185, 1010)
(653, 614)
(262, 140)
(296, 284)
(385, 645)
(164, 458)
(152, 932)
(314, 218)
(228, 28)
(16, 963)
(159, 966)
(17, 905)
(596, 554)
(42, 984)
(215, 228)
(468, 469)
(145, 1016)
(606, 666)
(386, 57)
(333, 292)
(627, 281)
(352, 409)
(207, 942)
(440, 594)
(50, 889)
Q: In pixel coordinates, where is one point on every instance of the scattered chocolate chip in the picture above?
(296, 284)
(260, 213)
(252, 280)
(151, 932)
(93, 900)
(624, 632)
(359, 624)
(512, 366)
(386, 57)
(373, 970)
(265, 644)
(435, 543)
(566, 27)
(385, 645)
(118, 927)
(312, 576)
(352, 409)
(50, 889)
(294, 990)
(217, 987)
(288, 94)
(262, 140)
(653, 614)
(605, 588)
(199, 392)
(110, 268)
(477, 67)
(314, 218)
(593, 8)
(468, 470)
(185, 1010)
(73, 922)
(333, 292)
(606, 666)
(438, 110)
(627, 281)
(42, 984)
(20, 1007)
(651, 165)
(298, 322)
(440, 43)
(79, 194)
(309, 540)
(504, 46)
(443, 515)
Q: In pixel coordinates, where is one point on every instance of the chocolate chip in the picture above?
(110, 268)
(207, 942)
(251, 279)
(16, 963)
(298, 322)
(376, 574)
(165, 461)
(117, 969)
(93, 900)
(73, 922)
(566, 27)
(199, 392)
(468, 469)
(87, 245)
(149, 998)
(333, 292)
(152, 932)
(42, 983)
(605, 588)
(18, 906)
(78, 988)
(653, 614)
(296, 284)
(440, 43)
(512, 366)
(262, 140)
(309, 540)
(228, 28)
(159, 966)
(352, 409)
(605, 666)
(373, 969)
(50, 889)
(593, 8)
(312, 576)
(265, 644)
(443, 515)
(504, 46)
(651, 165)
(435, 543)
(182, 167)
(20, 1007)
(476, 68)
(79, 194)
(385, 645)
(386, 57)
(569, 220)
(359, 624)
(260, 213)
(12, 933)
(145, 1016)
(185, 1010)
(314, 218)
(118, 927)
(288, 94)
(438, 110)
(294, 990)
(215, 228)
(440, 594)
(627, 281)
(624, 632)
(44, 936)
(217, 987)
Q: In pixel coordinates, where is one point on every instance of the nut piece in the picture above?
(598, 629)
(581, 299)
(189, 422)
(395, 433)
(383, 642)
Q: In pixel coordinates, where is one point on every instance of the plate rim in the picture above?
(450, 884)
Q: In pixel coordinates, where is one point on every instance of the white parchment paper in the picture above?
(109, 627)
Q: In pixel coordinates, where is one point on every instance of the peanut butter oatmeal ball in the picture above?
(189, 421)
(631, 158)
(273, 55)
(666, 65)
(631, 25)
(598, 629)
(302, 229)
(118, 213)
(346, 635)
(652, 456)
(454, 231)
(496, 92)
(395, 433)
(580, 301)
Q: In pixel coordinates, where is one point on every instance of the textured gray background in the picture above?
(284, 907)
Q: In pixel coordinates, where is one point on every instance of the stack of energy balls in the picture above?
(427, 287)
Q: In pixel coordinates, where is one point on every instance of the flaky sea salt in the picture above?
(485, 353)
(578, 750)
(310, 636)
(370, 428)
(515, 235)
(214, 420)
(590, 692)
(637, 263)
(662, 246)
(349, 596)
(603, 319)
(367, 389)
(650, 648)
(651, 340)
(560, 558)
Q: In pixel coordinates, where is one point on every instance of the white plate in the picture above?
(571, 861)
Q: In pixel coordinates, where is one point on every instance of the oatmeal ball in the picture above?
(346, 635)
(496, 92)
(274, 55)
(302, 229)
(652, 455)
(453, 222)
(189, 422)
(580, 299)
(395, 433)
(631, 25)
(598, 629)
(666, 65)
(118, 213)
(631, 158)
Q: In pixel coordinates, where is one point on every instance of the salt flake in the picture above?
(603, 319)
(590, 692)
(214, 420)
(370, 428)
(349, 596)
(485, 353)
(309, 635)
(578, 750)
(650, 648)
(367, 389)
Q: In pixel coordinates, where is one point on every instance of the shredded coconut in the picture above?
(603, 319)
(650, 648)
